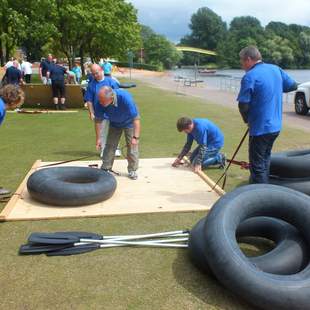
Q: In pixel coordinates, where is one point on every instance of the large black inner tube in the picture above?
(298, 184)
(233, 269)
(289, 256)
(71, 186)
(291, 164)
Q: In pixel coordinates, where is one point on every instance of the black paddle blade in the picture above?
(30, 249)
(67, 237)
(75, 250)
(52, 238)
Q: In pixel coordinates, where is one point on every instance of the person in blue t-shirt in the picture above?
(78, 72)
(57, 73)
(209, 138)
(44, 68)
(260, 105)
(11, 97)
(91, 98)
(13, 75)
(119, 106)
(107, 68)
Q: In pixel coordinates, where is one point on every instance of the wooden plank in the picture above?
(16, 196)
(159, 188)
(208, 180)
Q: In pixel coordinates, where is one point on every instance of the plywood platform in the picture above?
(159, 188)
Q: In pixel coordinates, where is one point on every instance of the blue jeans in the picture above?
(212, 157)
(259, 156)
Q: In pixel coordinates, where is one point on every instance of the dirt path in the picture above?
(226, 98)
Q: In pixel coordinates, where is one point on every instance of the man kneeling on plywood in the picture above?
(209, 138)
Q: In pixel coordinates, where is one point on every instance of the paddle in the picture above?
(30, 249)
(63, 238)
(81, 249)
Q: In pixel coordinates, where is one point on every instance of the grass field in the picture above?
(128, 278)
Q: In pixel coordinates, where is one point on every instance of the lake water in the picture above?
(233, 77)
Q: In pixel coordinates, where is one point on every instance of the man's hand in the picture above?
(134, 141)
(197, 168)
(177, 162)
(98, 144)
(91, 116)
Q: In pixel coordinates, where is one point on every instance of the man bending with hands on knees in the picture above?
(120, 108)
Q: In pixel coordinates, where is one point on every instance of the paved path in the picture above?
(216, 96)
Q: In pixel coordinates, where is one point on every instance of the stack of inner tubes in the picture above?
(71, 186)
(291, 169)
(278, 279)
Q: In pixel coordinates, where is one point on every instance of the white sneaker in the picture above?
(118, 153)
(133, 175)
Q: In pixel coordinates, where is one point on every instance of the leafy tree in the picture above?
(12, 28)
(158, 50)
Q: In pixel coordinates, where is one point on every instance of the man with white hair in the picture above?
(260, 105)
(123, 114)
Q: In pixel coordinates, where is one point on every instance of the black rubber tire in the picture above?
(127, 85)
(302, 185)
(233, 269)
(289, 256)
(301, 107)
(71, 186)
(291, 164)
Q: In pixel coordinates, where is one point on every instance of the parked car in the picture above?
(302, 99)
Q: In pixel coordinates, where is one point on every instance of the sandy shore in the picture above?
(166, 81)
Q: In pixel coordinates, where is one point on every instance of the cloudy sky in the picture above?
(171, 17)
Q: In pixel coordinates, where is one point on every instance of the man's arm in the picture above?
(91, 110)
(97, 132)
(244, 111)
(136, 131)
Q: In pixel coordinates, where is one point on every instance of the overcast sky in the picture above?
(171, 17)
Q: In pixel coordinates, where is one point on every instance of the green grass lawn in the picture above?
(128, 278)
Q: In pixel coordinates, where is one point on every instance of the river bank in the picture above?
(213, 93)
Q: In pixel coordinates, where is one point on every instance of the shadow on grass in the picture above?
(204, 286)
(77, 153)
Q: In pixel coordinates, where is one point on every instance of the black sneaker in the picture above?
(63, 107)
(223, 162)
(57, 107)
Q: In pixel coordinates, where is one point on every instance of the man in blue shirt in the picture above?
(44, 68)
(91, 99)
(209, 138)
(11, 97)
(119, 106)
(56, 73)
(260, 105)
(13, 75)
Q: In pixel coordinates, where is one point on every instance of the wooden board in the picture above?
(29, 111)
(159, 188)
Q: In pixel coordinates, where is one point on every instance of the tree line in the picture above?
(279, 43)
(80, 28)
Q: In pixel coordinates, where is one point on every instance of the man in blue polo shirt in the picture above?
(91, 98)
(44, 68)
(260, 105)
(119, 106)
(209, 138)
(13, 75)
(11, 97)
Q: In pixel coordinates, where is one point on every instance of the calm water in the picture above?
(219, 78)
